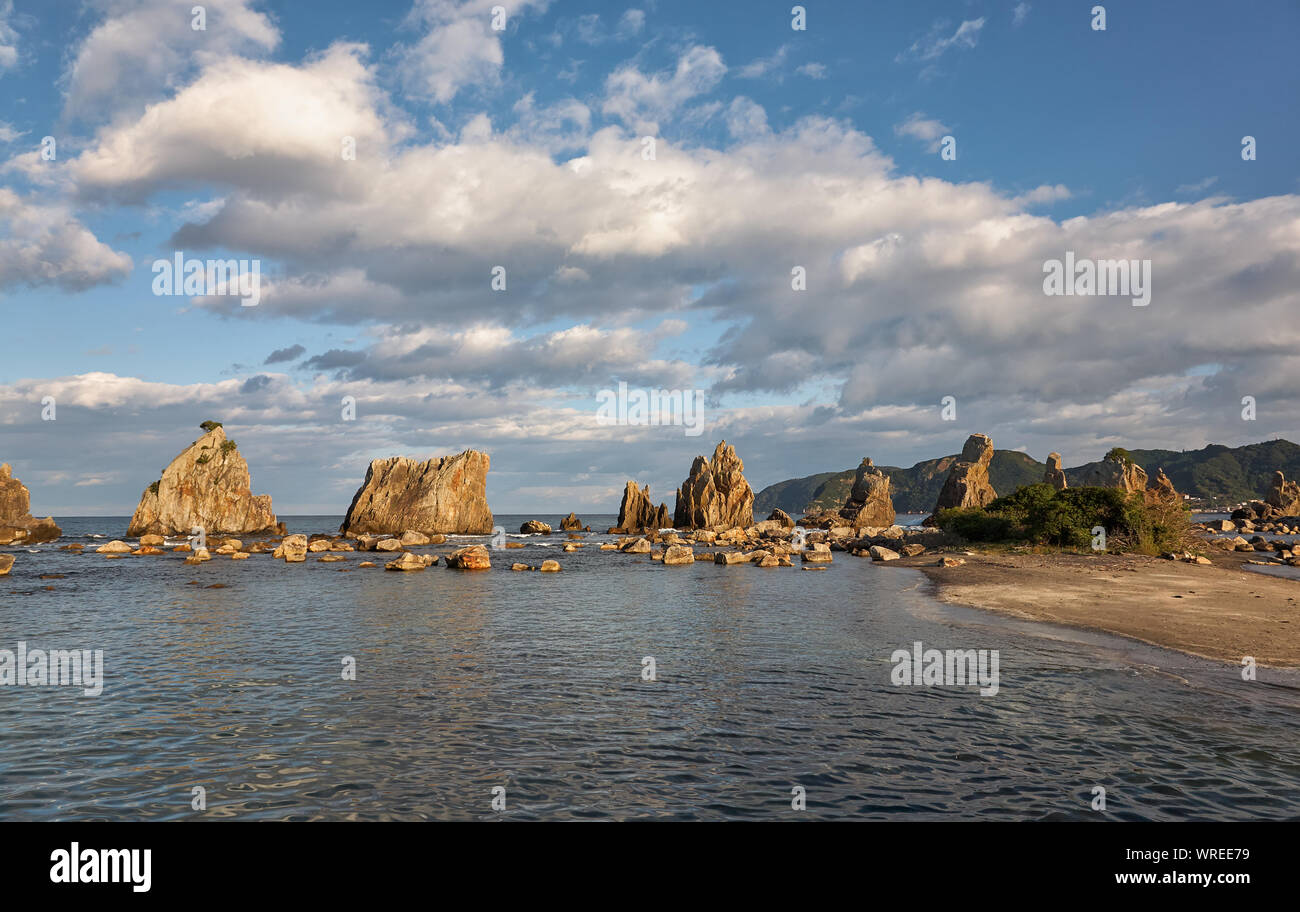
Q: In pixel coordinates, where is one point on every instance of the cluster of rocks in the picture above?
(17, 525)
(1278, 512)
(637, 514)
(715, 495)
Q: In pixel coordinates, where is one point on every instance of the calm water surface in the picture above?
(767, 679)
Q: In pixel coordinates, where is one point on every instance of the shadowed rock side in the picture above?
(1055, 475)
(1284, 496)
(869, 503)
(444, 495)
(715, 495)
(1161, 488)
(16, 521)
(1114, 472)
(637, 514)
(207, 485)
(968, 479)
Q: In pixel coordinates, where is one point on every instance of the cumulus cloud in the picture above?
(459, 46)
(143, 49)
(44, 244)
(641, 100)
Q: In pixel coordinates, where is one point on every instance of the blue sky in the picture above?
(780, 147)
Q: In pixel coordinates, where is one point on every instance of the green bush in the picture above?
(1041, 515)
(228, 446)
(1120, 455)
(202, 460)
(153, 488)
(209, 426)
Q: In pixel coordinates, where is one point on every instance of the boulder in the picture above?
(1284, 496)
(1055, 475)
(114, 547)
(16, 521)
(152, 540)
(881, 553)
(636, 546)
(6, 564)
(679, 554)
(715, 495)
(207, 486)
(293, 549)
(570, 523)
(869, 502)
(411, 538)
(445, 495)
(730, 557)
(409, 561)
(389, 544)
(550, 566)
(968, 484)
(475, 557)
(636, 514)
(817, 553)
(780, 516)
(535, 527)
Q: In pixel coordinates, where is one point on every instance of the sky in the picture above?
(382, 162)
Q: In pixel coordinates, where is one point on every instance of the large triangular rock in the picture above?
(715, 495)
(869, 502)
(16, 521)
(968, 484)
(637, 514)
(207, 486)
(446, 495)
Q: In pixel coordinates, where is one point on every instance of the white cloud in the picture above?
(640, 100)
(927, 130)
(8, 37)
(1199, 187)
(935, 44)
(459, 46)
(144, 49)
(44, 244)
(813, 70)
(764, 65)
(1020, 13)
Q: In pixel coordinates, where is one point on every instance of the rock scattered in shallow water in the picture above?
(114, 547)
(678, 554)
(475, 557)
(535, 527)
(550, 566)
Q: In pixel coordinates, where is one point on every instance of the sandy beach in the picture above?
(1220, 611)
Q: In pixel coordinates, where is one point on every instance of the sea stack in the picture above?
(968, 484)
(16, 521)
(715, 495)
(1055, 475)
(447, 495)
(206, 486)
(637, 514)
(1284, 495)
(869, 503)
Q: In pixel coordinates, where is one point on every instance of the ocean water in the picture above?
(767, 681)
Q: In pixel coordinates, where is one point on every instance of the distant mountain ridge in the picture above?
(1218, 475)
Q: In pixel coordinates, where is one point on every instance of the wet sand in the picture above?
(1221, 611)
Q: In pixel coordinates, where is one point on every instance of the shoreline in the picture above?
(1221, 612)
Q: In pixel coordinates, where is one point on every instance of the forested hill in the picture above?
(1217, 474)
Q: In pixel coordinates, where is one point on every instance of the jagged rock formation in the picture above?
(206, 486)
(443, 495)
(968, 479)
(1120, 473)
(715, 495)
(1161, 488)
(570, 523)
(16, 521)
(637, 514)
(869, 503)
(1284, 496)
(1055, 475)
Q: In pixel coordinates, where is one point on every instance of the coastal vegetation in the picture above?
(1040, 515)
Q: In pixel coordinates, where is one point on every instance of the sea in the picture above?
(616, 689)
